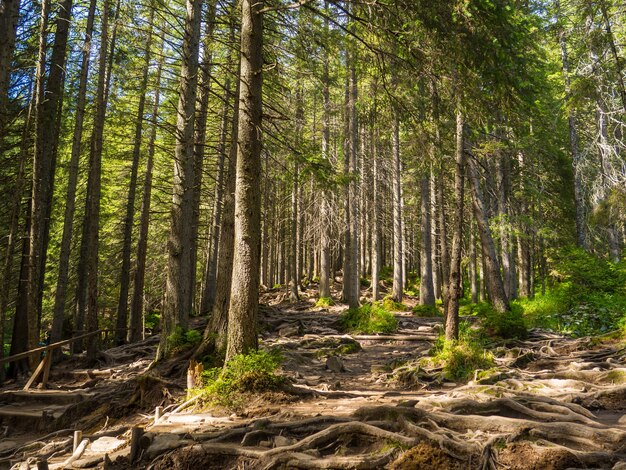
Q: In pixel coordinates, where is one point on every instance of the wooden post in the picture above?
(38, 370)
(135, 438)
(78, 437)
(158, 412)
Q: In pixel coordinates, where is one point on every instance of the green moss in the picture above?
(182, 339)
(368, 319)
(616, 376)
(325, 302)
(253, 372)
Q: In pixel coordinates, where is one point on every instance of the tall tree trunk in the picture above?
(12, 236)
(210, 283)
(202, 112)
(70, 198)
(398, 254)
(375, 216)
(122, 305)
(244, 298)
(503, 169)
(92, 210)
(579, 202)
(325, 213)
(179, 289)
(427, 291)
(473, 266)
(494, 283)
(619, 69)
(523, 240)
(9, 15)
(455, 289)
(137, 304)
(439, 281)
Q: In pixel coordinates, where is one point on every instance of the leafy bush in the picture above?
(505, 325)
(253, 372)
(587, 296)
(325, 302)
(461, 358)
(368, 319)
(426, 311)
(389, 304)
(182, 339)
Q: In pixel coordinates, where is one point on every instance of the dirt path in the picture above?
(551, 403)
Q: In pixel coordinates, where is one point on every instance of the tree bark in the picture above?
(455, 288)
(244, 298)
(9, 16)
(135, 329)
(494, 283)
(579, 202)
(427, 292)
(122, 306)
(179, 289)
(398, 254)
(70, 198)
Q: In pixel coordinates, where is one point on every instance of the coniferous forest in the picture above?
(313, 234)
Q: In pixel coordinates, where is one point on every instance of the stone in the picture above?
(282, 441)
(106, 445)
(334, 364)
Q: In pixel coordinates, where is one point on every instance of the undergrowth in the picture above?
(368, 319)
(461, 358)
(426, 311)
(246, 373)
(182, 339)
(325, 302)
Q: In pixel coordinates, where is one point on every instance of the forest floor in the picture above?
(552, 402)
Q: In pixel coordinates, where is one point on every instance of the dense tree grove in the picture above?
(165, 160)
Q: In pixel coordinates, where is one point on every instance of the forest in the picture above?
(313, 234)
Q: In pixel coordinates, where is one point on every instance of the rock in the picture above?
(106, 445)
(282, 441)
(289, 331)
(619, 466)
(334, 364)
(165, 442)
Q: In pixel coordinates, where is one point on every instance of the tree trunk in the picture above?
(455, 289)
(398, 254)
(375, 222)
(244, 298)
(122, 305)
(9, 16)
(210, 283)
(473, 267)
(179, 288)
(48, 107)
(204, 91)
(504, 186)
(427, 292)
(70, 198)
(136, 310)
(494, 283)
(439, 282)
(325, 213)
(92, 210)
(579, 202)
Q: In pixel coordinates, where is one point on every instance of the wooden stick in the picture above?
(78, 437)
(158, 412)
(38, 370)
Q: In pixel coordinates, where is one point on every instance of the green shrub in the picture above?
(505, 325)
(426, 311)
(389, 304)
(245, 373)
(461, 358)
(368, 319)
(182, 339)
(325, 302)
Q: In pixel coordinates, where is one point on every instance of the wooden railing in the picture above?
(46, 362)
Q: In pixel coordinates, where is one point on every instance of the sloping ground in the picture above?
(552, 403)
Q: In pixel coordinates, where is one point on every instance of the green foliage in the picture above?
(245, 373)
(461, 358)
(505, 325)
(587, 296)
(389, 304)
(426, 311)
(153, 320)
(368, 319)
(182, 339)
(325, 302)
